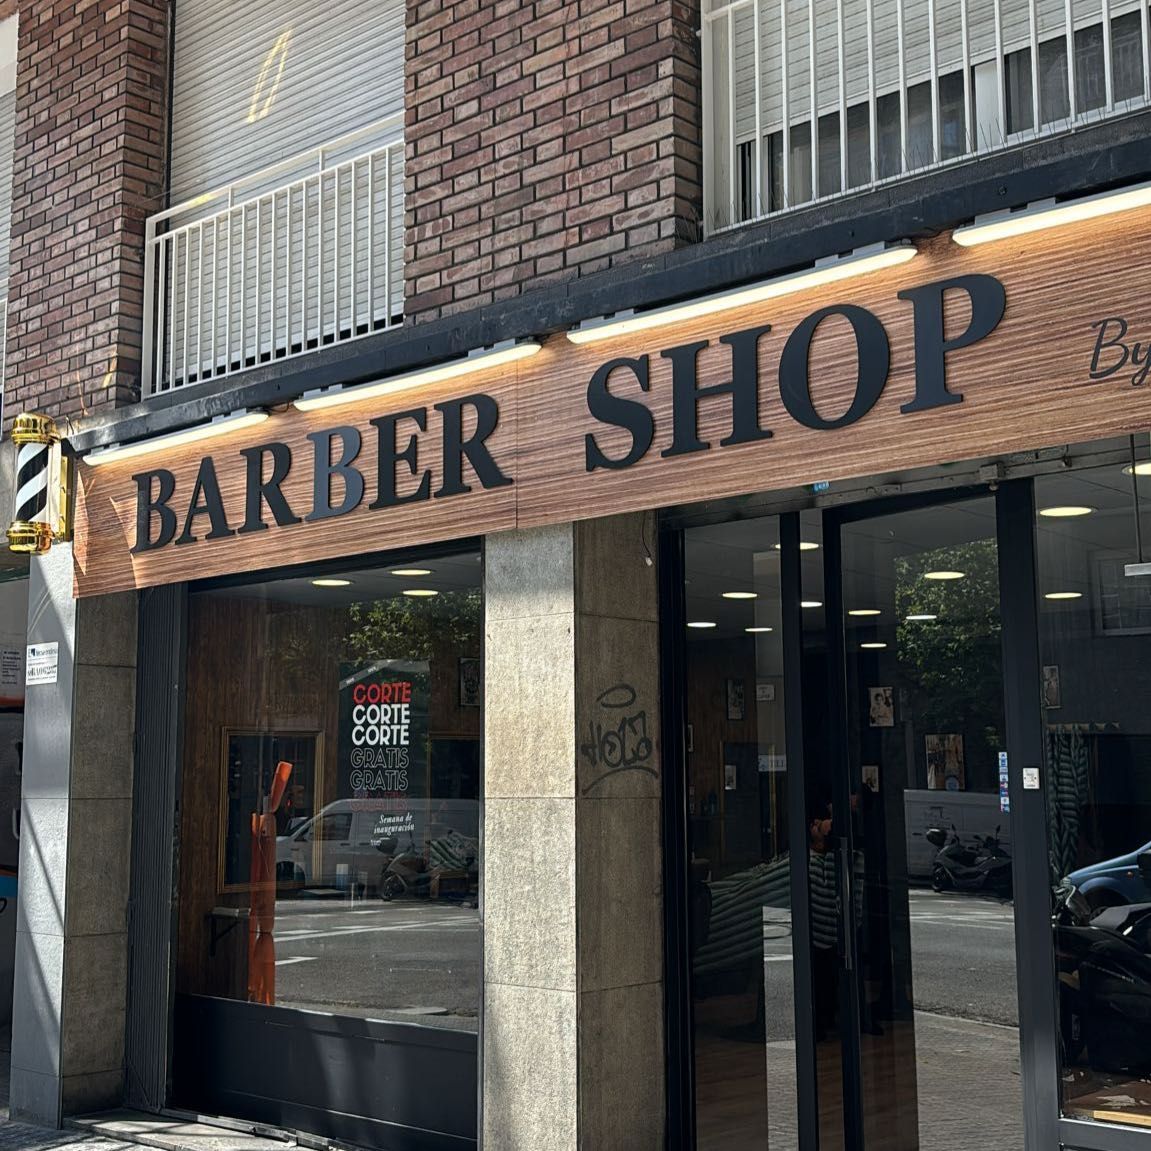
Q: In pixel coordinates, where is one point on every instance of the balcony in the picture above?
(898, 87)
(299, 256)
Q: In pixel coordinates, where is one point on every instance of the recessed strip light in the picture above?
(1068, 512)
(757, 630)
(331, 582)
(921, 617)
(864, 611)
(420, 592)
(858, 263)
(1048, 214)
(217, 427)
(943, 576)
(474, 361)
(701, 623)
(411, 572)
(739, 595)
(1064, 595)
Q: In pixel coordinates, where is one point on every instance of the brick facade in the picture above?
(545, 141)
(88, 168)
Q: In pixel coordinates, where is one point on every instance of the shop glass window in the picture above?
(330, 819)
(1095, 643)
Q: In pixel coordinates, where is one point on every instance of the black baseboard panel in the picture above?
(392, 1086)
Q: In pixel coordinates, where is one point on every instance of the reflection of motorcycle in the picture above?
(1104, 966)
(404, 872)
(982, 865)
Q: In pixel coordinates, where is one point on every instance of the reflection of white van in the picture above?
(349, 841)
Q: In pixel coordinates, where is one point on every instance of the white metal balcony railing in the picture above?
(898, 86)
(303, 254)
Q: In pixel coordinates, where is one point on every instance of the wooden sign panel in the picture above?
(958, 354)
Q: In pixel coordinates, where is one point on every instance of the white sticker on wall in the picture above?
(1031, 779)
(42, 663)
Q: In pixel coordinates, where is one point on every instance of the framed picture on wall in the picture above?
(469, 681)
(881, 711)
(1052, 692)
(735, 700)
(945, 766)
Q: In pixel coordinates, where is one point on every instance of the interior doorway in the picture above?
(849, 869)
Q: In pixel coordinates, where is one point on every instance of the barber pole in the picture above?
(38, 518)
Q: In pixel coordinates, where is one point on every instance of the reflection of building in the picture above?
(566, 508)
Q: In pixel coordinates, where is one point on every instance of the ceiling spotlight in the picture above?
(331, 582)
(739, 595)
(862, 611)
(411, 571)
(944, 575)
(1064, 595)
(701, 623)
(420, 592)
(1068, 512)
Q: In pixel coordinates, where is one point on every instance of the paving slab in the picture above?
(171, 1134)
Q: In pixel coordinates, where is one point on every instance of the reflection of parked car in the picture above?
(351, 842)
(1113, 881)
(1104, 966)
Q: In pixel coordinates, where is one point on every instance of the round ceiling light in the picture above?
(331, 581)
(1066, 512)
(864, 611)
(757, 630)
(1064, 595)
(739, 595)
(1143, 468)
(412, 571)
(873, 646)
(944, 575)
(811, 603)
(804, 546)
(701, 623)
(420, 592)
(921, 617)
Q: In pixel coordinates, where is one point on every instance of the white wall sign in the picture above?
(42, 663)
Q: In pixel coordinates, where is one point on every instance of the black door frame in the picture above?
(1035, 964)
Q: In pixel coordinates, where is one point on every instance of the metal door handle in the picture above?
(846, 905)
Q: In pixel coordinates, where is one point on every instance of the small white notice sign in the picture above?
(42, 663)
(1031, 779)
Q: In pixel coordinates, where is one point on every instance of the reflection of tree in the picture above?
(953, 663)
(407, 628)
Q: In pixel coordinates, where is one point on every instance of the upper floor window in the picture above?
(898, 86)
(285, 230)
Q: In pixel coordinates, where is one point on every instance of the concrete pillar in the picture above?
(573, 951)
(75, 837)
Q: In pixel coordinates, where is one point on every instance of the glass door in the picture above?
(917, 833)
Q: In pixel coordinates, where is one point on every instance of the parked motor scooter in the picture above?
(982, 865)
(404, 874)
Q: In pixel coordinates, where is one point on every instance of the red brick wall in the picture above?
(88, 168)
(545, 141)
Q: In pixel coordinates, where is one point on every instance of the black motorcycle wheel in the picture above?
(940, 880)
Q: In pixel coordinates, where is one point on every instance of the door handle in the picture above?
(846, 905)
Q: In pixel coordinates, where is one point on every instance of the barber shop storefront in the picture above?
(894, 512)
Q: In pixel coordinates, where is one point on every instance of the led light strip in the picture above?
(832, 271)
(478, 360)
(1049, 214)
(221, 424)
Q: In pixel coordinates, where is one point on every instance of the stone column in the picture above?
(75, 836)
(573, 951)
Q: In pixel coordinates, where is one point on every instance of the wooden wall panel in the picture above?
(1025, 386)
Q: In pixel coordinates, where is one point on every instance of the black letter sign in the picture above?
(743, 386)
(988, 302)
(474, 447)
(385, 426)
(873, 355)
(258, 491)
(146, 506)
(628, 414)
(349, 438)
(206, 500)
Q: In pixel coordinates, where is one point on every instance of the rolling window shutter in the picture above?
(312, 253)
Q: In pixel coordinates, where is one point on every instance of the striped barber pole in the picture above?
(33, 528)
